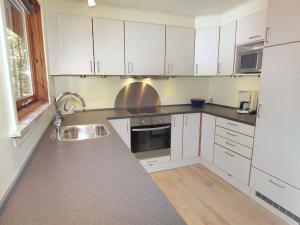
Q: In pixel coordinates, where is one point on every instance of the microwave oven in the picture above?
(249, 59)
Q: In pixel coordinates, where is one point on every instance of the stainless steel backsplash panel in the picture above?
(137, 95)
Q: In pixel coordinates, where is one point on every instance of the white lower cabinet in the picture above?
(279, 192)
(191, 135)
(232, 163)
(176, 137)
(208, 126)
(122, 126)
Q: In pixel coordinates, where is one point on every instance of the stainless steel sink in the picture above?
(83, 132)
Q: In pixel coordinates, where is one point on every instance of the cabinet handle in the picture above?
(231, 155)
(169, 68)
(232, 145)
(91, 66)
(267, 35)
(258, 114)
(232, 124)
(186, 120)
(197, 68)
(219, 68)
(233, 135)
(98, 66)
(174, 122)
(255, 36)
(278, 185)
(127, 126)
(129, 67)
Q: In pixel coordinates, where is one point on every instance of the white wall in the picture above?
(225, 90)
(13, 156)
(101, 92)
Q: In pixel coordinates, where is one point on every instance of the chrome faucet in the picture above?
(59, 115)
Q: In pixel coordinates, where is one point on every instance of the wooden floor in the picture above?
(202, 198)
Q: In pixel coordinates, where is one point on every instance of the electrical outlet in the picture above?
(211, 100)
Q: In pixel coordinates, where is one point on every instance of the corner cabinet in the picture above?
(283, 22)
(191, 135)
(145, 49)
(176, 138)
(208, 127)
(206, 51)
(76, 45)
(227, 49)
(122, 126)
(180, 50)
(108, 46)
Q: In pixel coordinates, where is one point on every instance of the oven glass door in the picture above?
(151, 141)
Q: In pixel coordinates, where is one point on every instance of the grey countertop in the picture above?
(93, 182)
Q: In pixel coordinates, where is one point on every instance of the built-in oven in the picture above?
(151, 137)
(249, 58)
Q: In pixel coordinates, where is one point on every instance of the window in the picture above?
(26, 53)
(18, 51)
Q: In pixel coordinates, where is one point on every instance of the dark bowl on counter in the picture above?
(197, 102)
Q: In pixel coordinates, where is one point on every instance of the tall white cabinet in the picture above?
(144, 49)
(108, 46)
(76, 45)
(283, 22)
(191, 135)
(227, 49)
(206, 51)
(180, 49)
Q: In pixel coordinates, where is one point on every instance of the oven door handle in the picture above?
(152, 129)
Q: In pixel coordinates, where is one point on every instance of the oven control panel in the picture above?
(155, 120)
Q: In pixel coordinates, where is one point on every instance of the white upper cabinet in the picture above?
(227, 49)
(206, 51)
(283, 22)
(52, 44)
(191, 135)
(276, 148)
(251, 28)
(76, 45)
(144, 49)
(208, 124)
(109, 46)
(180, 50)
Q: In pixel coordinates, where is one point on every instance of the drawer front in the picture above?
(240, 149)
(236, 126)
(274, 189)
(235, 137)
(154, 161)
(232, 163)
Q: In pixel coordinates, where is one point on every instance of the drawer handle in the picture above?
(232, 145)
(256, 36)
(278, 185)
(232, 124)
(152, 162)
(233, 135)
(231, 155)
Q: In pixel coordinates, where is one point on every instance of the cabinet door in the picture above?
(206, 51)
(227, 49)
(144, 48)
(251, 28)
(109, 46)
(208, 126)
(122, 126)
(52, 44)
(276, 148)
(180, 51)
(283, 22)
(191, 135)
(176, 137)
(76, 45)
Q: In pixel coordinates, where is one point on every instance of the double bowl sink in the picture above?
(82, 132)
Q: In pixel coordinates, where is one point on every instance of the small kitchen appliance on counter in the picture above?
(247, 102)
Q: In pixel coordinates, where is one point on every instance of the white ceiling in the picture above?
(177, 7)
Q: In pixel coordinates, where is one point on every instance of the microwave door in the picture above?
(249, 63)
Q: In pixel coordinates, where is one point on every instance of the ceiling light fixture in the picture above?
(91, 3)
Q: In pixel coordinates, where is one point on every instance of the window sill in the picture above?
(29, 116)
